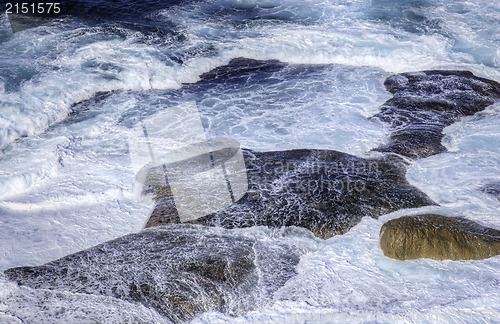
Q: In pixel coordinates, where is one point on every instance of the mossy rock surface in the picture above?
(438, 237)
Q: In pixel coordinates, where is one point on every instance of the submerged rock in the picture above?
(21, 304)
(178, 271)
(438, 237)
(492, 189)
(424, 103)
(327, 192)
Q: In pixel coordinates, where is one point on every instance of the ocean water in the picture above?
(72, 89)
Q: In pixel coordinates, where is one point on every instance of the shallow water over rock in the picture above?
(179, 271)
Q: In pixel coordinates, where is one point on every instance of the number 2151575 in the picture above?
(33, 8)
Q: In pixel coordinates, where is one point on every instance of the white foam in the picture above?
(349, 279)
(22, 304)
(339, 36)
(78, 73)
(27, 166)
(319, 109)
(343, 35)
(68, 190)
(454, 179)
(72, 187)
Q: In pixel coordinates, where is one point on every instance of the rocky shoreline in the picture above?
(181, 270)
(326, 192)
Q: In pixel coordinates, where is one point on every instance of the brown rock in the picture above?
(438, 237)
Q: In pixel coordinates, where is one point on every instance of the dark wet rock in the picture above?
(179, 271)
(438, 237)
(424, 103)
(492, 189)
(240, 71)
(327, 192)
